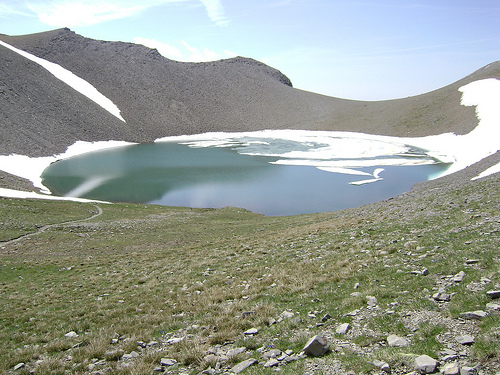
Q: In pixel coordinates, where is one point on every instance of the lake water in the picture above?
(271, 176)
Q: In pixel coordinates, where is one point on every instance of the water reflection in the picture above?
(179, 175)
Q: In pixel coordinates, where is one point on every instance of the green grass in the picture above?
(142, 273)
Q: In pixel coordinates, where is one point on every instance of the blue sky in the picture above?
(369, 50)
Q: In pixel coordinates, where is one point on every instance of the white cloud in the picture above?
(185, 52)
(165, 49)
(215, 12)
(72, 13)
(89, 12)
(14, 9)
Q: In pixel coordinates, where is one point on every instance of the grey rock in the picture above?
(130, 355)
(272, 353)
(447, 351)
(71, 334)
(168, 362)
(459, 277)
(493, 306)
(397, 341)
(451, 369)
(19, 366)
(251, 331)
(316, 346)
(493, 294)
(442, 297)
(325, 318)
(287, 314)
(465, 339)
(384, 366)
(425, 364)
(343, 328)
(425, 272)
(235, 352)
(113, 355)
(371, 300)
(211, 358)
(466, 370)
(242, 366)
(477, 315)
(272, 362)
(472, 261)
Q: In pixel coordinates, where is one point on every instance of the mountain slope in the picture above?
(41, 115)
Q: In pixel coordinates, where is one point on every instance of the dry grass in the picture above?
(142, 273)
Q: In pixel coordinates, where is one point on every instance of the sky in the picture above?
(364, 50)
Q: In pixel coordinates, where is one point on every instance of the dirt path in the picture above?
(45, 227)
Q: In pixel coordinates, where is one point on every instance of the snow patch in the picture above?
(71, 80)
(32, 168)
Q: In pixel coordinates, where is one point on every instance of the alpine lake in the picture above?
(244, 173)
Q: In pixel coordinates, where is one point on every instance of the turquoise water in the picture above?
(178, 175)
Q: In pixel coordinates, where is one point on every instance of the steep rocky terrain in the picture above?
(41, 115)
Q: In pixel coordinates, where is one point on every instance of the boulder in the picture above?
(384, 366)
(168, 362)
(394, 340)
(493, 294)
(451, 369)
(477, 315)
(459, 277)
(242, 366)
(235, 352)
(425, 364)
(343, 328)
(465, 339)
(316, 346)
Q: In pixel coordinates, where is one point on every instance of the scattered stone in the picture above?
(441, 297)
(451, 369)
(235, 352)
(459, 277)
(425, 364)
(242, 366)
(493, 294)
(343, 328)
(384, 366)
(19, 366)
(493, 306)
(465, 340)
(71, 334)
(477, 315)
(211, 358)
(356, 294)
(175, 340)
(371, 300)
(113, 355)
(287, 314)
(472, 261)
(131, 355)
(168, 362)
(425, 272)
(273, 353)
(467, 370)
(316, 346)
(447, 351)
(325, 318)
(272, 362)
(397, 341)
(251, 331)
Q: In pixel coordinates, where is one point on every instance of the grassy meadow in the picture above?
(143, 274)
